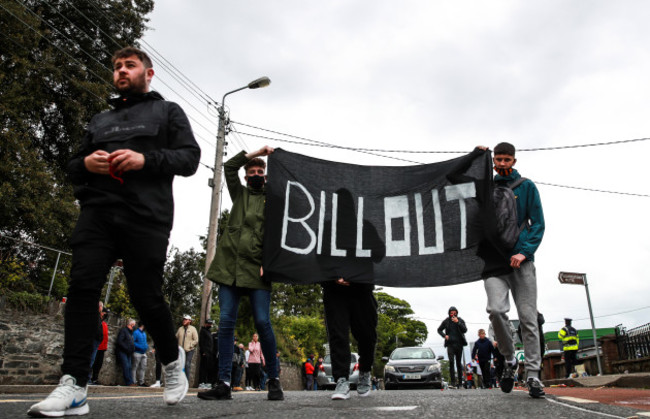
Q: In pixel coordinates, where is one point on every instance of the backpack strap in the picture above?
(512, 186)
(517, 182)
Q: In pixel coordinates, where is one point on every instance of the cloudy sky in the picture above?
(440, 76)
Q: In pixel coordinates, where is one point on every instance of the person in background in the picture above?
(124, 348)
(139, 362)
(206, 368)
(309, 373)
(317, 367)
(101, 349)
(255, 361)
(452, 330)
(188, 339)
(482, 352)
(158, 369)
(570, 344)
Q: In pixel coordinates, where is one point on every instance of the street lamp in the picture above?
(215, 184)
(403, 332)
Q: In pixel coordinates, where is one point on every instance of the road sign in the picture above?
(572, 278)
(519, 355)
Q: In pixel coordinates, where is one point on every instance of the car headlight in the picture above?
(389, 368)
(434, 368)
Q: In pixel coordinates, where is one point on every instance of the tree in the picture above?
(394, 321)
(55, 73)
(182, 282)
(297, 300)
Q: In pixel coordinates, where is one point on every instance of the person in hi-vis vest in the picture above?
(570, 342)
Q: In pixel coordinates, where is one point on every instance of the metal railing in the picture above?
(633, 343)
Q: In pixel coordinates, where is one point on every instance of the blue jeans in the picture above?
(125, 361)
(261, 305)
(96, 344)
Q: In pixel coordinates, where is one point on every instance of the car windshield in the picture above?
(413, 353)
(328, 359)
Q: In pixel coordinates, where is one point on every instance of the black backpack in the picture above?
(505, 206)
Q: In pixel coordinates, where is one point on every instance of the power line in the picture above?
(593, 190)
(119, 45)
(326, 145)
(314, 143)
(54, 45)
(163, 60)
(547, 322)
(380, 150)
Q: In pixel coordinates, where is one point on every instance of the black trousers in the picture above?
(256, 374)
(102, 236)
(350, 308)
(207, 368)
(485, 370)
(455, 355)
(570, 361)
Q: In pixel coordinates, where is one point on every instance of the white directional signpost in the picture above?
(581, 279)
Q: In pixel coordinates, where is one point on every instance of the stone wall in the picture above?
(31, 350)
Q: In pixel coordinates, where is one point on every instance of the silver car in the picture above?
(412, 367)
(325, 379)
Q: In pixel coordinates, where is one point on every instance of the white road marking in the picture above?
(584, 410)
(577, 400)
(394, 408)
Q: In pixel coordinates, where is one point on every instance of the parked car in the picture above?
(325, 379)
(412, 367)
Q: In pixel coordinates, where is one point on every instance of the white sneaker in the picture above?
(176, 384)
(67, 399)
(342, 391)
(156, 384)
(364, 385)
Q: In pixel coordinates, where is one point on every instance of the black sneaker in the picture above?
(221, 391)
(508, 378)
(535, 388)
(275, 389)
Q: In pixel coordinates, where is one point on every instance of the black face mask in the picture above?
(256, 181)
(503, 172)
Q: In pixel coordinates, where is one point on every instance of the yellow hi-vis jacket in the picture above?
(569, 337)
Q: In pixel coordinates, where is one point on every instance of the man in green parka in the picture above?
(237, 268)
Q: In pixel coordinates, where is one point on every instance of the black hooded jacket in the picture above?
(455, 331)
(147, 124)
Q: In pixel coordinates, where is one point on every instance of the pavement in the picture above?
(634, 380)
(639, 380)
(131, 402)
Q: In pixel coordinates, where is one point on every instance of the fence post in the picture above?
(56, 266)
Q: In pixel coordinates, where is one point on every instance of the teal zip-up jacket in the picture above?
(529, 209)
(239, 250)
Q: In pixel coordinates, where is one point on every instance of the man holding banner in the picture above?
(519, 278)
(237, 268)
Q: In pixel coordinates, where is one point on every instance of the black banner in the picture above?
(406, 226)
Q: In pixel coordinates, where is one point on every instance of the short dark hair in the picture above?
(129, 51)
(504, 148)
(255, 162)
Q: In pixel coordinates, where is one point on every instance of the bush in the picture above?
(26, 301)
(14, 277)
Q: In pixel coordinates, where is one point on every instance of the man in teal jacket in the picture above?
(520, 278)
(237, 268)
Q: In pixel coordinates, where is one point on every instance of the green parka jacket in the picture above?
(239, 251)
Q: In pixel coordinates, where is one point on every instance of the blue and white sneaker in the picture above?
(67, 399)
(176, 384)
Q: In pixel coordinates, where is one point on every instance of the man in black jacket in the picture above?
(453, 329)
(123, 174)
(206, 369)
(124, 348)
